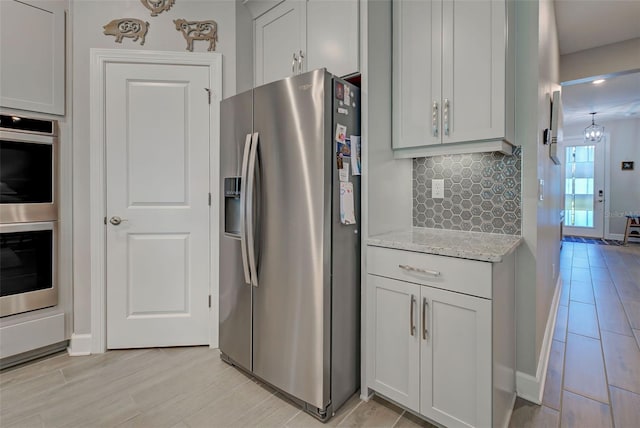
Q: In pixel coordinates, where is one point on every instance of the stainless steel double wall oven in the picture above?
(28, 214)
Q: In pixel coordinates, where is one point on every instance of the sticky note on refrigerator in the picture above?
(343, 173)
(355, 154)
(347, 210)
(341, 133)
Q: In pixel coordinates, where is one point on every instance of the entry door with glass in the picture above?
(584, 189)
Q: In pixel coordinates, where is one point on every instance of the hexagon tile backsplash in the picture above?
(481, 192)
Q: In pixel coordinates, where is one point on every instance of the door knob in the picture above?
(115, 220)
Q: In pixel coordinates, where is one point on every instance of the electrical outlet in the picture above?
(437, 189)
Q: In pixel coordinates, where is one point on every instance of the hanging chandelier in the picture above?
(593, 132)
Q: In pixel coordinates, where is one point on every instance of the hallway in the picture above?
(593, 378)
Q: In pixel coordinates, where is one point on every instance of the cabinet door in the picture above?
(393, 340)
(280, 36)
(473, 70)
(455, 358)
(32, 55)
(416, 73)
(332, 36)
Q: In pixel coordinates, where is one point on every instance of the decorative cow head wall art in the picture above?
(127, 27)
(157, 6)
(198, 30)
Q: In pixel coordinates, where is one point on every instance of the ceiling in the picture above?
(586, 24)
(616, 98)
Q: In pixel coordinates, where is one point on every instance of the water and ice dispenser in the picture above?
(232, 186)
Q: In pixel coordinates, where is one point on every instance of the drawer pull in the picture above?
(419, 270)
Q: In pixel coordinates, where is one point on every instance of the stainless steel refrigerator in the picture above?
(289, 266)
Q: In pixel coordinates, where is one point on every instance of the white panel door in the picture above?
(32, 55)
(416, 73)
(280, 38)
(455, 358)
(157, 152)
(473, 70)
(393, 340)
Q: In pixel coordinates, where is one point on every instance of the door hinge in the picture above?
(105, 220)
(208, 93)
(209, 199)
(209, 300)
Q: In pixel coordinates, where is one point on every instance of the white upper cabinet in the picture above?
(298, 35)
(416, 72)
(452, 75)
(280, 42)
(32, 55)
(333, 36)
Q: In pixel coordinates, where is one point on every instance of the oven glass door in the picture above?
(26, 172)
(27, 267)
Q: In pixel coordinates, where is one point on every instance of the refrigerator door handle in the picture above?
(249, 211)
(243, 211)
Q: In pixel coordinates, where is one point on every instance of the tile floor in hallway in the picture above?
(593, 377)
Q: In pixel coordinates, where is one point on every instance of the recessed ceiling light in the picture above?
(597, 82)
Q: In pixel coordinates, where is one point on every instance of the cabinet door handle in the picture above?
(445, 116)
(300, 62)
(419, 270)
(293, 63)
(425, 306)
(434, 119)
(412, 326)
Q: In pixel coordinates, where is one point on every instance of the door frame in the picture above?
(570, 141)
(99, 60)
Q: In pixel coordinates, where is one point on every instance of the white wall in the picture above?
(548, 218)
(87, 19)
(244, 48)
(387, 190)
(623, 137)
(537, 76)
(612, 58)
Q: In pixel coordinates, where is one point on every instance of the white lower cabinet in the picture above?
(455, 358)
(435, 351)
(394, 341)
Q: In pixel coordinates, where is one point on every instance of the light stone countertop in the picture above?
(485, 247)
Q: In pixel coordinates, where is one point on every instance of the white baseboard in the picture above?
(366, 396)
(34, 333)
(79, 345)
(510, 412)
(616, 236)
(531, 388)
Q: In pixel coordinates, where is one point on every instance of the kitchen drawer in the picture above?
(448, 273)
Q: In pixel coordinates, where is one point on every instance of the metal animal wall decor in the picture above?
(157, 6)
(127, 27)
(198, 30)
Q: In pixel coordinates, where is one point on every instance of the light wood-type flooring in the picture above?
(593, 378)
